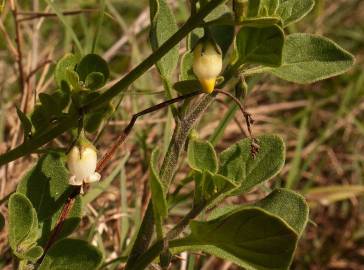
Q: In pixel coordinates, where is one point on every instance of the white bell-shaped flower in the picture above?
(207, 63)
(81, 162)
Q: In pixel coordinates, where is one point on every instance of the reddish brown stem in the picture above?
(102, 163)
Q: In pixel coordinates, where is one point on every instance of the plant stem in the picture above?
(117, 88)
(167, 171)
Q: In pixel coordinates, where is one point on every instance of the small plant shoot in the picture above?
(214, 55)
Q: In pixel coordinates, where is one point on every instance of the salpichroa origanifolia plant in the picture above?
(226, 43)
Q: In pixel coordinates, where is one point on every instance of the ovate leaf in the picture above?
(72, 254)
(33, 254)
(248, 236)
(67, 62)
(288, 205)
(294, 10)
(46, 186)
(21, 219)
(93, 63)
(238, 164)
(158, 191)
(201, 156)
(163, 26)
(95, 80)
(260, 45)
(25, 123)
(309, 58)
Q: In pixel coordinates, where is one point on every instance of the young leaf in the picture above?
(93, 63)
(237, 163)
(187, 86)
(163, 26)
(186, 72)
(248, 236)
(94, 118)
(67, 62)
(309, 58)
(21, 219)
(50, 104)
(201, 156)
(46, 186)
(260, 45)
(157, 187)
(33, 254)
(94, 80)
(211, 187)
(292, 11)
(72, 254)
(289, 206)
(25, 123)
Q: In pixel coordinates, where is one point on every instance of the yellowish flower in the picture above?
(207, 64)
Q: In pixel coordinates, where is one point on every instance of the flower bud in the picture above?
(81, 162)
(207, 63)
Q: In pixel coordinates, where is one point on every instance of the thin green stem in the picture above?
(122, 84)
(117, 88)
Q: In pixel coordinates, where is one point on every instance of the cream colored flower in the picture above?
(207, 63)
(81, 163)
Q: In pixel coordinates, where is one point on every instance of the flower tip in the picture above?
(208, 85)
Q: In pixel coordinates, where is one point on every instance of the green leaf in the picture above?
(25, 123)
(33, 254)
(309, 58)
(158, 191)
(46, 186)
(211, 187)
(2, 222)
(62, 97)
(292, 11)
(237, 163)
(186, 72)
(248, 236)
(21, 220)
(261, 21)
(93, 63)
(289, 206)
(163, 26)
(95, 80)
(50, 104)
(260, 45)
(67, 62)
(187, 86)
(221, 15)
(201, 156)
(94, 118)
(72, 254)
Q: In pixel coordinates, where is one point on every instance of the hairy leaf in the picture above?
(309, 58)
(72, 254)
(163, 26)
(248, 236)
(157, 187)
(201, 156)
(292, 11)
(289, 206)
(238, 164)
(260, 45)
(46, 186)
